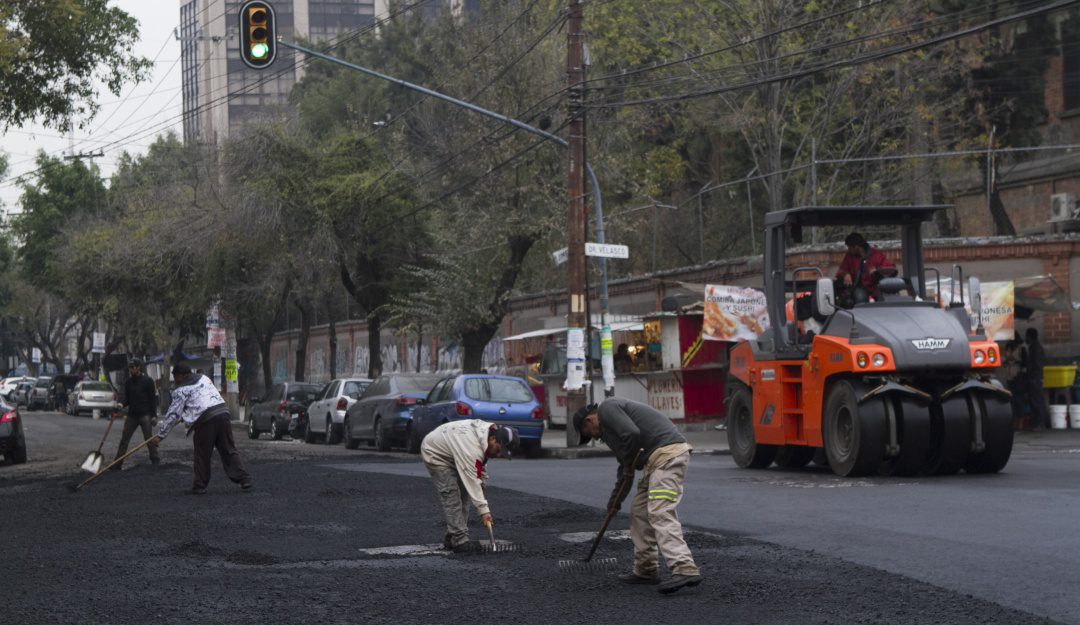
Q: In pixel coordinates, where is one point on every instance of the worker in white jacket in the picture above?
(456, 455)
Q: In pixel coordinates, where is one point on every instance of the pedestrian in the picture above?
(456, 455)
(1036, 360)
(1013, 358)
(197, 402)
(637, 432)
(140, 399)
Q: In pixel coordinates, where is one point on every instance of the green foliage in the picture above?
(52, 54)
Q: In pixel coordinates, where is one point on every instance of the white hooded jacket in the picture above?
(460, 445)
(189, 402)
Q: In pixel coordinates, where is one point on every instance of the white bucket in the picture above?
(1058, 416)
(1074, 417)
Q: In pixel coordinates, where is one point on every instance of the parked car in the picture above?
(12, 439)
(39, 394)
(383, 414)
(283, 403)
(21, 395)
(326, 415)
(499, 399)
(8, 386)
(91, 395)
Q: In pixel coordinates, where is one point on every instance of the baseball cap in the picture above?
(508, 438)
(579, 417)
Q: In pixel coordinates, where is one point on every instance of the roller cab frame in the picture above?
(898, 386)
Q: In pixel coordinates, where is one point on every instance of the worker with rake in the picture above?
(456, 455)
(643, 438)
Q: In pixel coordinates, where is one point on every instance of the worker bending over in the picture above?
(456, 456)
(635, 431)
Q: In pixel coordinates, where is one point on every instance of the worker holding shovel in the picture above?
(456, 456)
(635, 431)
(140, 399)
(197, 402)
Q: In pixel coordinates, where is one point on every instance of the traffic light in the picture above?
(258, 34)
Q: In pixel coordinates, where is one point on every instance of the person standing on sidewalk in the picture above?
(197, 402)
(456, 455)
(140, 399)
(1036, 360)
(636, 431)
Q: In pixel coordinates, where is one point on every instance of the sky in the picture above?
(142, 106)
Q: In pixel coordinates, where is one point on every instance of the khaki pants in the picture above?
(654, 523)
(455, 504)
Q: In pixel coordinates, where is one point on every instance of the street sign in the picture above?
(560, 256)
(99, 343)
(35, 356)
(607, 250)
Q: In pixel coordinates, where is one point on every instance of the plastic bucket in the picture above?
(1058, 417)
(1074, 417)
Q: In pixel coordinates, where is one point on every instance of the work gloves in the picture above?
(622, 489)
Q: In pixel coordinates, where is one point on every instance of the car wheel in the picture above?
(253, 433)
(309, 436)
(276, 432)
(19, 455)
(351, 442)
(333, 435)
(382, 441)
(415, 441)
(532, 448)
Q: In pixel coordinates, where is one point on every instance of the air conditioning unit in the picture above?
(1063, 207)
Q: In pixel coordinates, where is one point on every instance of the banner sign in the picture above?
(99, 343)
(734, 313)
(998, 306)
(231, 385)
(215, 337)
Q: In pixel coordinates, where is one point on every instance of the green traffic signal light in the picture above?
(258, 34)
(259, 51)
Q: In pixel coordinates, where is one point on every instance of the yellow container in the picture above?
(1059, 377)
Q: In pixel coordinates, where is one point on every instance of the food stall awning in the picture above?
(619, 326)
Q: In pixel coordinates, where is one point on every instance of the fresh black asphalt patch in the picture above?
(133, 548)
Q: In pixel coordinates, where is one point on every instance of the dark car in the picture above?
(498, 399)
(273, 412)
(383, 414)
(12, 440)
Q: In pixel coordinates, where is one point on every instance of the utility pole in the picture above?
(577, 374)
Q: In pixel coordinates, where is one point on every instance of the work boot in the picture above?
(465, 547)
(246, 485)
(195, 490)
(634, 578)
(676, 582)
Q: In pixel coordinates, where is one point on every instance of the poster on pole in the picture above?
(734, 313)
(998, 306)
(231, 385)
(99, 343)
(215, 337)
(35, 356)
(575, 359)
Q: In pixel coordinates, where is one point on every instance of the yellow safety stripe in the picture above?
(664, 491)
(664, 497)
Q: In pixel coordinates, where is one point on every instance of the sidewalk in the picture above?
(713, 441)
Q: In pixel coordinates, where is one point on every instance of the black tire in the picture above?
(379, 436)
(997, 433)
(794, 456)
(821, 459)
(333, 433)
(414, 441)
(18, 456)
(912, 434)
(740, 431)
(532, 449)
(950, 437)
(276, 432)
(253, 432)
(351, 442)
(854, 433)
(309, 436)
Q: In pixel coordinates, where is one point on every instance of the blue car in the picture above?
(499, 399)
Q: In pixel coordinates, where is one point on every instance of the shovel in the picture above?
(93, 461)
(153, 439)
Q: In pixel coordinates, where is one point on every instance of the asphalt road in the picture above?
(326, 536)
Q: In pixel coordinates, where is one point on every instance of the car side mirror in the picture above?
(421, 402)
(825, 297)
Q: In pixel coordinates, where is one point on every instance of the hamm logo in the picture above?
(930, 344)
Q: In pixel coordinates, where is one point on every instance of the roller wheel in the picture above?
(912, 434)
(744, 449)
(950, 437)
(855, 434)
(997, 433)
(821, 459)
(794, 456)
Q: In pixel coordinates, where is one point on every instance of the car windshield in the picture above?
(498, 390)
(417, 384)
(355, 388)
(43, 382)
(303, 393)
(96, 386)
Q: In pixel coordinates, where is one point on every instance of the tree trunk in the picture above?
(374, 341)
(302, 340)
(265, 341)
(474, 343)
(333, 347)
(475, 339)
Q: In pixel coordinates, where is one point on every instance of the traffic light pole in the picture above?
(577, 330)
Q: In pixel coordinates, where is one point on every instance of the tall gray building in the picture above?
(221, 93)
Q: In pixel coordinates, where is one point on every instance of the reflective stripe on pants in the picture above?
(654, 522)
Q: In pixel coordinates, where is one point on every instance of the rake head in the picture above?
(599, 565)
(490, 548)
